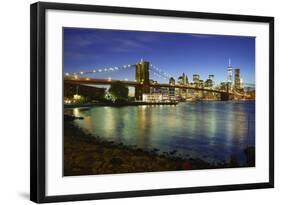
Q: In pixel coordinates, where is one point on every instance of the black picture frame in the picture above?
(38, 101)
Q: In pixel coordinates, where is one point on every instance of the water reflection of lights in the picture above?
(76, 97)
(88, 122)
(211, 124)
(76, 112)
(109, 120)
(204, 127)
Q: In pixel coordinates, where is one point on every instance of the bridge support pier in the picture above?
(224, 96)
(139, 90)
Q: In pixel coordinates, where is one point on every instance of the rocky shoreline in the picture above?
(85, 154)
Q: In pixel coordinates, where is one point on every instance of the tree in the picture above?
(119, 91)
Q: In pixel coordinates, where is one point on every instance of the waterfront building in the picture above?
(165, 94)
(177, 93)
(90, 93)
(172, 90)
(172, 94)
(153, 97)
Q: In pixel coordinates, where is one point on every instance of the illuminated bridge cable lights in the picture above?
(102, 70)
(160, 74)
(153, 69)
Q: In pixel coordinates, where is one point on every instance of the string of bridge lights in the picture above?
(101, 70)
(153, 69)
(156, 74)
(162, 72)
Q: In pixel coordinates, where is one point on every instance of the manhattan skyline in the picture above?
(174, 53)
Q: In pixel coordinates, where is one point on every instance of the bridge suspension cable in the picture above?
(158, 72)
(102, 70)
(152, 69)
(240, 94)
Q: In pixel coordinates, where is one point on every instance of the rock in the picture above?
(250, 155)
(71, 118)
(186, 165)
(233, 161)
(173, 152)
(116, 161)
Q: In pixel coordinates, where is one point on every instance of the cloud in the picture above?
(77, 41)
(129, 44)
(81, 39)
(105, 40)
(80, 56)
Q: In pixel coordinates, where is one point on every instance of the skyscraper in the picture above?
(229, 74)
(241, 84)
(183, 80)
(210, 81)
(196, 78)
(172, 89)
(237, 80)
(211, 77)
(172, 81)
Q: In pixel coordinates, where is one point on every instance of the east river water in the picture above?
(212, 131)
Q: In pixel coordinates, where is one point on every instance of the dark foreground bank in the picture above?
(85, 154)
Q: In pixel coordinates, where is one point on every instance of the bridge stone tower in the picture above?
(142, 77)
(227, 95)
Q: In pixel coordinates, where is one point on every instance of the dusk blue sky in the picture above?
(174, 53)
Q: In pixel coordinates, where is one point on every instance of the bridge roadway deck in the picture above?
(92, 81)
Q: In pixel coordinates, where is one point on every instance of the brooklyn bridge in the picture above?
(143, 83)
